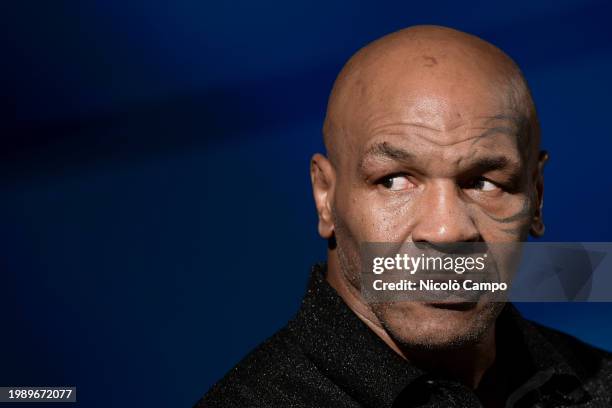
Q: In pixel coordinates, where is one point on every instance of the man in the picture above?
(432, 137)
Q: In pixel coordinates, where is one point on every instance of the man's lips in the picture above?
(452, 305)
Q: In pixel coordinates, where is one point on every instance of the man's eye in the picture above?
(484, 185)
(396, 182)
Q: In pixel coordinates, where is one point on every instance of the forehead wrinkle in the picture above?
(381, 128)
(498, 130)
(517, 121)
(516, 117)
(489, 132)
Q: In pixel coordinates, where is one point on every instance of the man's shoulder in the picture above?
(275, 373)
(256, 374)
(592, 364)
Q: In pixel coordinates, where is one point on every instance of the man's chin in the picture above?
(440, 325)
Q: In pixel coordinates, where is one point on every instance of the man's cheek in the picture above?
(511, 223)
(385, 226)
(495, 231)
(372, 217)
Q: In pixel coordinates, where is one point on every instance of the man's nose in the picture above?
(443, 216)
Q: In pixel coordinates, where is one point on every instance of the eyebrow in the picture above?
(486, 164)
(384, 150)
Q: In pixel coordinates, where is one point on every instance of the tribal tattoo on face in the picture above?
(523, 131)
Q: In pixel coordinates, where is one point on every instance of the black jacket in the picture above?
(327, 357)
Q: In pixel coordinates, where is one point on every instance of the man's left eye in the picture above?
(485, 185)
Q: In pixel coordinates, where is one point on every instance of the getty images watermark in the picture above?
(422, 263)
(526, 272)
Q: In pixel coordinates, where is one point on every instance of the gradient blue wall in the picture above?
(157, 221)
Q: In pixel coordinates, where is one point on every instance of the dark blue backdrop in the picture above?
(157, 220)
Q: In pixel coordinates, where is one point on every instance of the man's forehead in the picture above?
(443, 117)
(436, 103)
(438, 121)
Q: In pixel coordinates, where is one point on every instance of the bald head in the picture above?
(434, 77)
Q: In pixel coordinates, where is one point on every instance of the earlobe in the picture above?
(322, 176)
(537, 227)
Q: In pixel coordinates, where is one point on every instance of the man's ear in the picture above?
(323, 178)
(537, 222)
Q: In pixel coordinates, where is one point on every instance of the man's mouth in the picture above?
(453, 305)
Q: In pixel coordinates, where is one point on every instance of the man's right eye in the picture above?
(396, 182)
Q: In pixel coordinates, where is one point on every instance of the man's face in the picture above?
(438, 162)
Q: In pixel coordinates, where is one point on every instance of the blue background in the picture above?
(157, 219)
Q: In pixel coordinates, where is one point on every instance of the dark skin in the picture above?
(432, 137)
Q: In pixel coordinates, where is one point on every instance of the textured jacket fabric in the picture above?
(327, 357)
